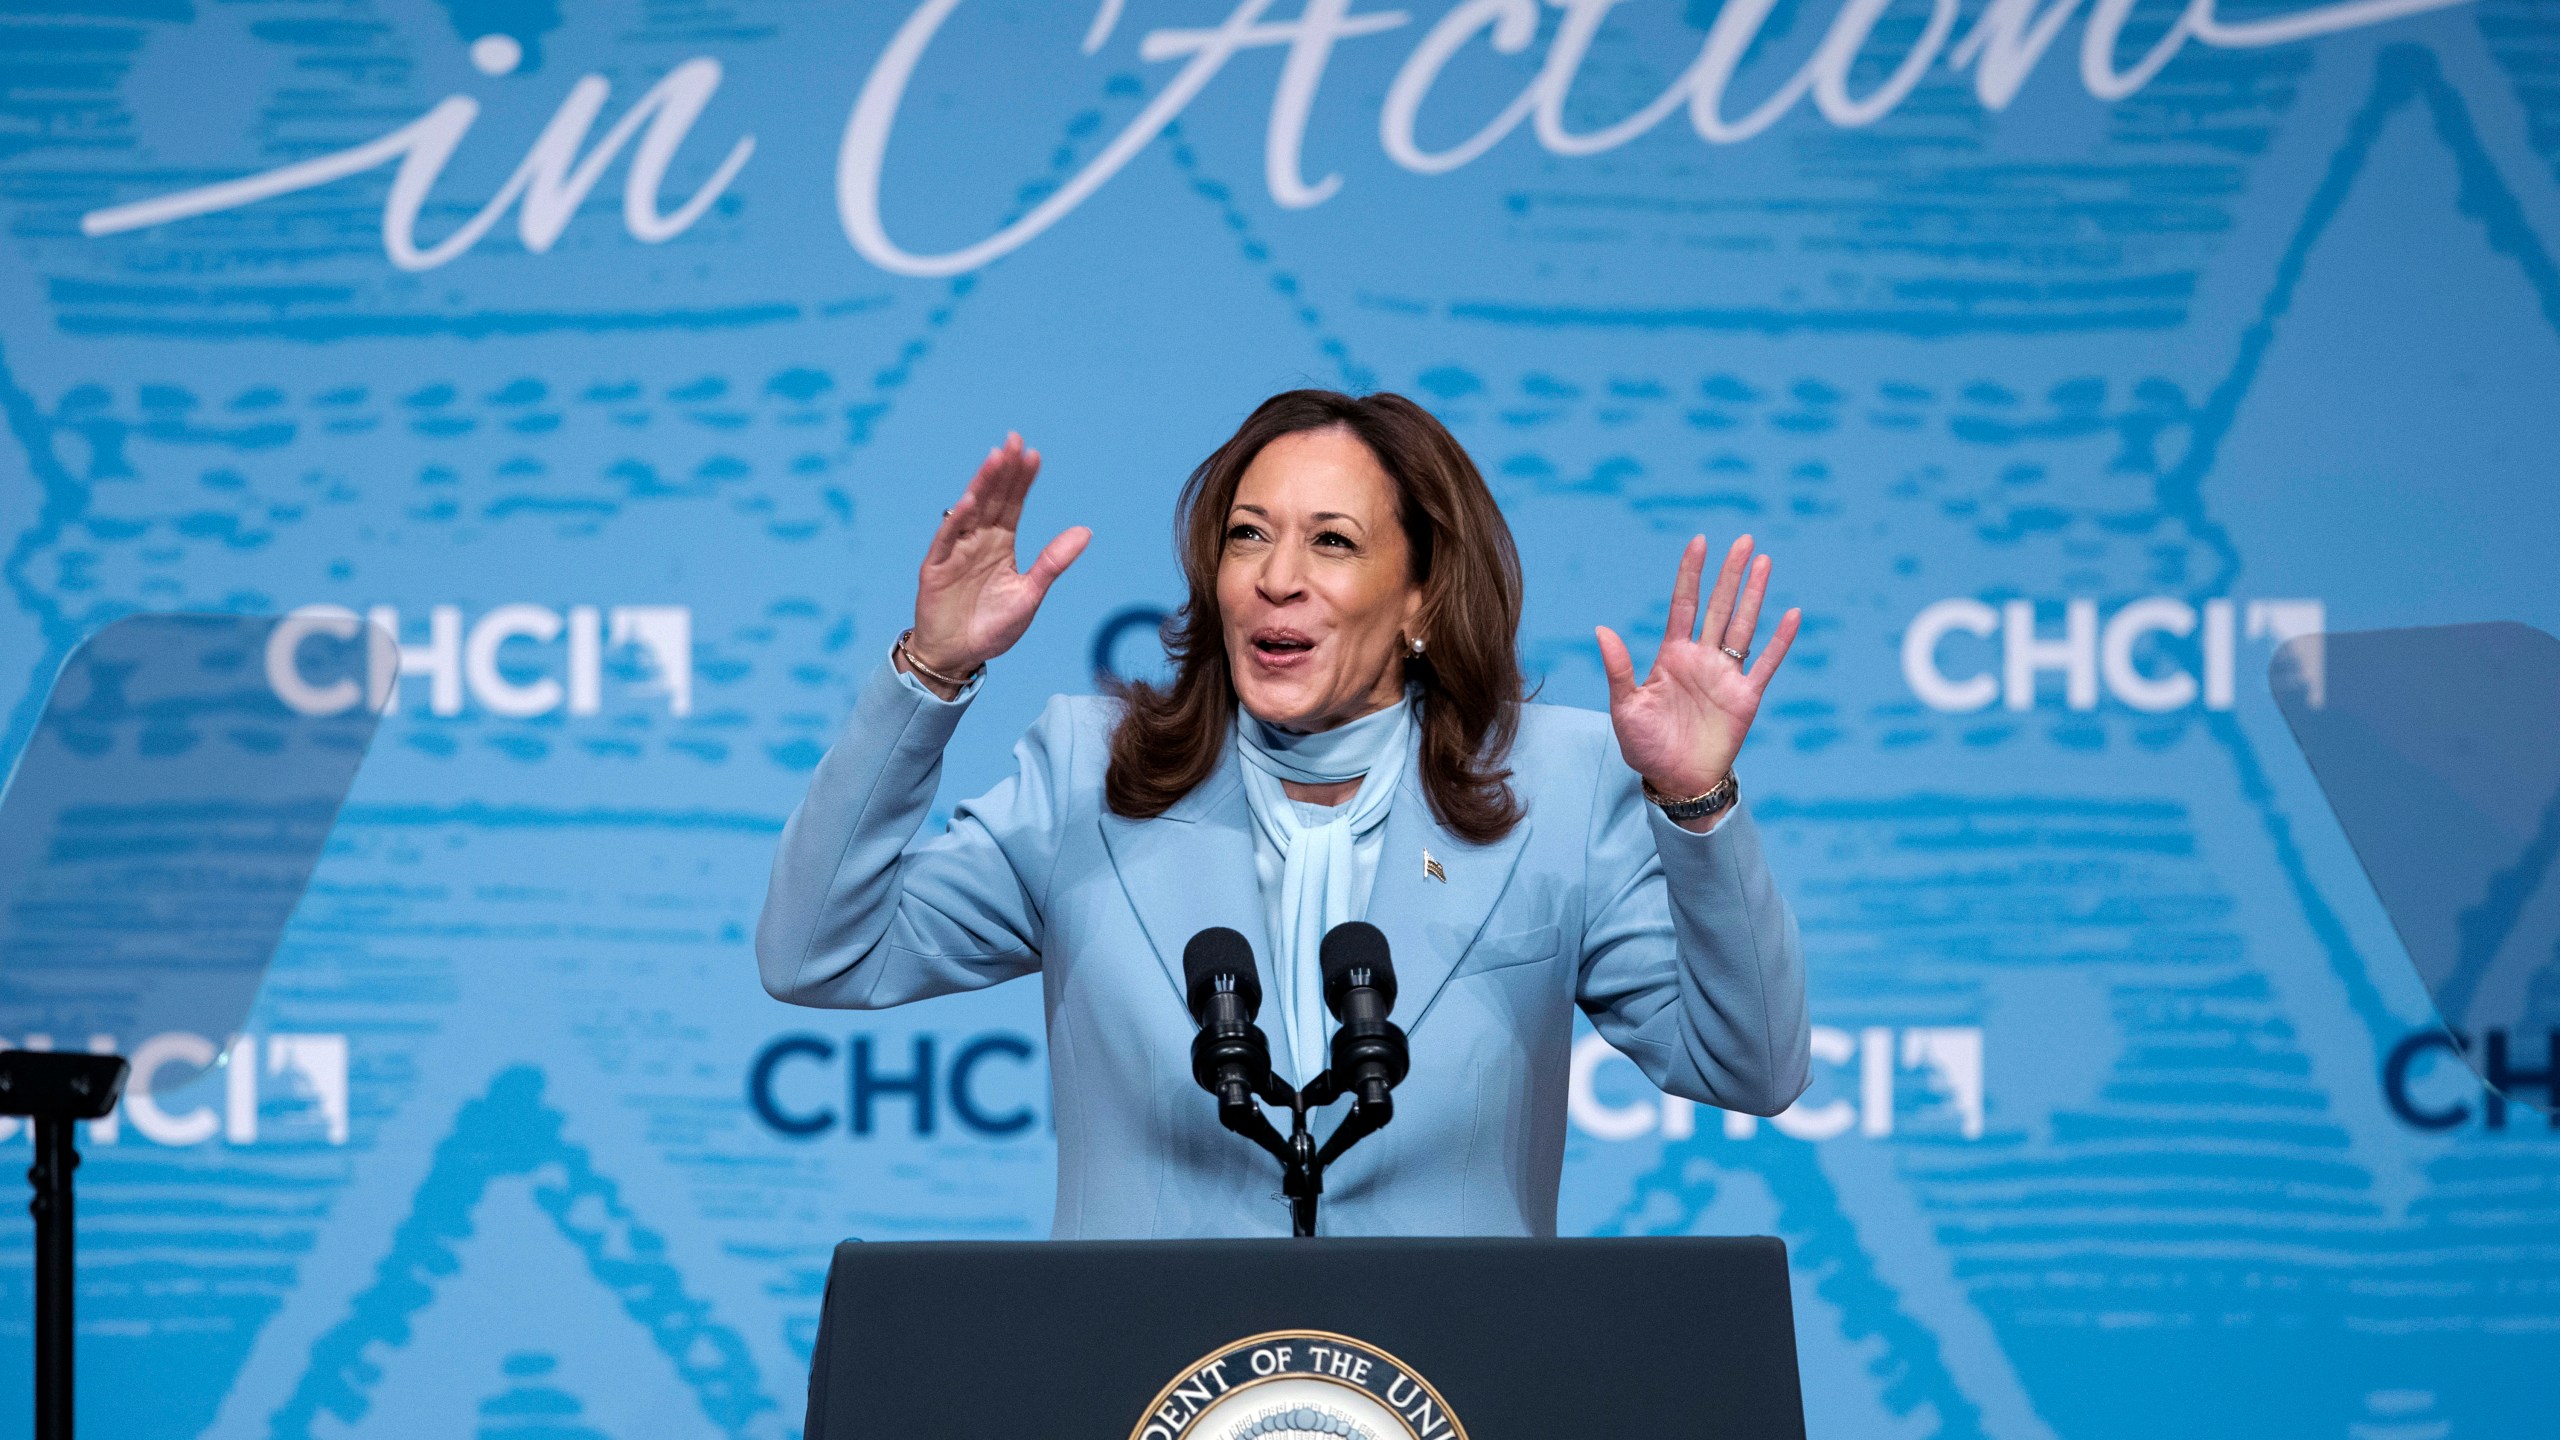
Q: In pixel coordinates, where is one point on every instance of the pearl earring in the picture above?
(1413, 647)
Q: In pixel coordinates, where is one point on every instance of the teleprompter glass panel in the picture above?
(164, 817)
(2439, 750)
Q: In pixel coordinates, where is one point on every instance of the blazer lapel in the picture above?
(1431, 922)
(1191, 868)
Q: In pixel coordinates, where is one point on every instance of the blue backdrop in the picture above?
(2068, 357)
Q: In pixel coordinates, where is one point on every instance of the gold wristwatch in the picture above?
(1697, 807)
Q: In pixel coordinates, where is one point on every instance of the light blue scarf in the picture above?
(1317, 877)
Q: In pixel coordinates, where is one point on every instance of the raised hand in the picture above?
(1682, 727)
(972, 604)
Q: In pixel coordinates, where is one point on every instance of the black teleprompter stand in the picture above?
(52, 1090)
(156, 831)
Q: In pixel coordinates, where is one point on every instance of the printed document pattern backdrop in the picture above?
(621, 355)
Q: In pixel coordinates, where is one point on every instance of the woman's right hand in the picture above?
(972, 604)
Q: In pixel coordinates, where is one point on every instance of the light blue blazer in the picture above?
(1678, 946)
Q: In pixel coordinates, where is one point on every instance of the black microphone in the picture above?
(1369, 1052)
(1230, 1058)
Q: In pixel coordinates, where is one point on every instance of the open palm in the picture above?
(972, 604)
(1682, 727)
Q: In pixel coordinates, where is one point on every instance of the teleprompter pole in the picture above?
(56, 1158)
(52, 1091)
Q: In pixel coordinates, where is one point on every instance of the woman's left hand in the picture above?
(1683, 726)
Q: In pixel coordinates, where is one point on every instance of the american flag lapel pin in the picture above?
(1431, 868)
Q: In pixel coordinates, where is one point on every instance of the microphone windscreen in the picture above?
(1215, 952)
(1349, 950)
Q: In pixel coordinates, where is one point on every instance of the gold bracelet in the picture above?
(906, 651)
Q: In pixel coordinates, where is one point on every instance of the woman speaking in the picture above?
(1345, 737)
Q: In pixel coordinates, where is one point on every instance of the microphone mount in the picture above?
(1302, 1161)
(1231, 1058)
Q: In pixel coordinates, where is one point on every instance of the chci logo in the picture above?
(1299, 1385)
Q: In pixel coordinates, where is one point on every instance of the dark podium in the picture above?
(1383, 1339)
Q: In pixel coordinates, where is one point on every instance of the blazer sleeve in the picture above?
(1691, 964)
(859, 915)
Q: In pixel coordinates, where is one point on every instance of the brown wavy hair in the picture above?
(1170, 737)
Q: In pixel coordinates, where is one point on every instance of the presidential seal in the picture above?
(1299, 1385)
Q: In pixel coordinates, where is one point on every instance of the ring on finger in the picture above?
(1740, 657)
